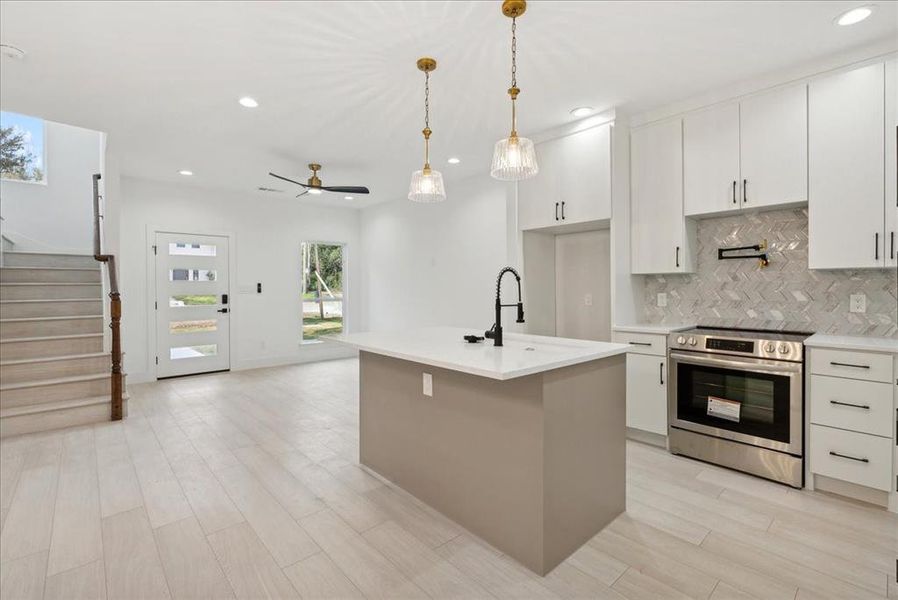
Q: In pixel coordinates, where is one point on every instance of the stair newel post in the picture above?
(115, 310)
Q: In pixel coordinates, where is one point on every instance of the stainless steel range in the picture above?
(736, 399)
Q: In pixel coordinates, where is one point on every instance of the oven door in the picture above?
(749, 400)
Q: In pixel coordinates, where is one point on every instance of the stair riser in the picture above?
(42, 348)
(49, 276)
(22, 310)
(56, 368)
(27, 329)
(57, 419)
(49, 292)
(73, 261)
(55, 392)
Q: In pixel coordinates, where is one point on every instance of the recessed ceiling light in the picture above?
(582, 111)
(248, 102)
(185, 172)
(454, 161)
(855, 15)
(348, 198)
(315, 191)
(11, 51)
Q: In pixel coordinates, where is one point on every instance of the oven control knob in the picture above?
(681, 340)
(784, 349)
(770, 348)
(692, 341)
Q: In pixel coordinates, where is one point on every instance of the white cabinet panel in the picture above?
(711, 160)
(863, 406)
(869, 366)
(658, 234)
(643, 343)
(891, 161)
(647, 393)
(774, 144)
(850, 456)
(846, 169)
(585, 185)
(538, 196)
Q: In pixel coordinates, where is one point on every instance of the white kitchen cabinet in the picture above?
(573, 185)
(711, 160)
(891, 162)
(661, 238)
(846, 207)
(647, 393)
(773, 130)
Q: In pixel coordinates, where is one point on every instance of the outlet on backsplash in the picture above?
(857, 303)
(662, 299)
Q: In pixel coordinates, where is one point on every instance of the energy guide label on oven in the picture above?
(724, 409)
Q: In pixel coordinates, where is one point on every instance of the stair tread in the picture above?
(31, 409)
(18, 283)
(51, 337)
(55, 318)
(43, 359)
(36, 253)
(15, 268)
(53, 381)
(51, 300)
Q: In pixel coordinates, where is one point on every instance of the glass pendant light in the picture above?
(427, 184)
(514, 158)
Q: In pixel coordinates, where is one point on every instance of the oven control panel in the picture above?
(788, 347)
(745, 346)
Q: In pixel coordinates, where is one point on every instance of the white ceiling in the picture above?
(337, 81)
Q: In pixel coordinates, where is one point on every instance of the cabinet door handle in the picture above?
(661, 373)
(678, 257)
(876, 245)
(892, 244)
(864, 406)
(744, 191)
(640, 343)
(562, 210)
(556, 211)
(734, 191)
(863, 460)
(841, 364)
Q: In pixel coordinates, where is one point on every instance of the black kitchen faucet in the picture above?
(495, 333)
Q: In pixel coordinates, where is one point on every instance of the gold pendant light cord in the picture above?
(513, 91)
(426, 131)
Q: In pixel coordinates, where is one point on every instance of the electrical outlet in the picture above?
(587, 300)
(662, 299)
(857, 303)
(427, 384)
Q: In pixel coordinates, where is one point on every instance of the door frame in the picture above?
(152, 292)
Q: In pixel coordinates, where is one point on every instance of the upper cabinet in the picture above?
(661, 237)
(573, 185)
(891, 162)
(846, 136)
(746, 154)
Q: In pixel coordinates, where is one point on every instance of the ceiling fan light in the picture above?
(427, 186)
(314, 191)
(514, 159)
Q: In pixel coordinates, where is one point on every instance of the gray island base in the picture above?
(535, 465)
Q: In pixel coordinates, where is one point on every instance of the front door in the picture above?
(192, 304)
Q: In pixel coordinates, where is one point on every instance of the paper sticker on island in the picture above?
(723, 408)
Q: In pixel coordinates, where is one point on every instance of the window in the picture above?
(322, 290)
(179, 249)
(191, 275)
(22, 148)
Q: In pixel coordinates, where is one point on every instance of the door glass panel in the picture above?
(192, 300)
(185, 249)
(755, 404)
(191, 275)
(199, 326)
(193, 351)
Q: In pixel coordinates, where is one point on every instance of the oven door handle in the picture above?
(761, 366)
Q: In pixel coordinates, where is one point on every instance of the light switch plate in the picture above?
(587, 300)
(857, 303)
(662, 299)
(427, 384)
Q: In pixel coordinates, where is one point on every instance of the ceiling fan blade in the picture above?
(346, 189)
(303, 193)
(305, 185)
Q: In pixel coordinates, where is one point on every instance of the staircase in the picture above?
(53, 371)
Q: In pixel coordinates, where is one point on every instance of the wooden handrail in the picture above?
(115, 309)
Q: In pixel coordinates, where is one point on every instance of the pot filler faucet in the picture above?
(495, 333)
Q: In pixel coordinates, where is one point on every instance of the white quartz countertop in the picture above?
(846, 342)
(445, 347)
(657, 328)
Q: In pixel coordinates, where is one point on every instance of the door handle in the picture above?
(863, 460)
(222, 310)
(864, 406)
(661, 373)
(892, 244)
(876, 245)
(744, 191)
(562, 210)
(678, 257)
(556, 211)
(734, 191)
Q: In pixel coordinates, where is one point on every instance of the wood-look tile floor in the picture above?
(246, 485)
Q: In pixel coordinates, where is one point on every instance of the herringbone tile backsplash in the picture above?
(784, 295)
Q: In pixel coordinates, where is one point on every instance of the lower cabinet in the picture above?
(647, 392)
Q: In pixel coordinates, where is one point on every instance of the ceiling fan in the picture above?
(314, 184)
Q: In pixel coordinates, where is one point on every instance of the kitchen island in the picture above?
(523, 445)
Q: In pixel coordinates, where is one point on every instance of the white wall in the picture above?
(265, 328)
(57, 216)
(436, 264)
